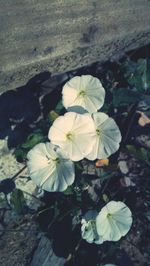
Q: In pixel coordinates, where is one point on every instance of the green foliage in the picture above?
(125, 97)
(52, 116)
(33, 139)
(20, 154)
(59, 107)
(2, 200)
(76, 192)
(69, 191)
(103, 174)
(138, 74)
(126, 84)
(37, 136)
(105, 198)
(140, 153)
(18, 201)
(105, 108)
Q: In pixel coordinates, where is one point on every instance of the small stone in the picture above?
(88, 167)
(144, 140)
(93, 190)
(123, 167)
(123, 156)
(127, 182)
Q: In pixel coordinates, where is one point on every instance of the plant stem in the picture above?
(19, 172)
(130, 125)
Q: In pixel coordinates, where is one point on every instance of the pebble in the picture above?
(123, 167)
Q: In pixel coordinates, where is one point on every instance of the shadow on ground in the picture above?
(22, 108)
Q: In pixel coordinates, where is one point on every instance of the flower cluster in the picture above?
(82, 132)
(110, 224)
(74, 136)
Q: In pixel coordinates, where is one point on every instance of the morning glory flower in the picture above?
(85, 91)
(114, 221)
(50, 168)
(73, 133)
(107, 137)
(88, 228)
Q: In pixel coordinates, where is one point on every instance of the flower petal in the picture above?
(107, 137)
(85, 91)
(88, 228)
(50, 168)
(114, 221)
(74, 133)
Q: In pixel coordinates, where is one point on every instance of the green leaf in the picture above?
(68, 191)
(144, 72)
(105, 108)
(105, 198)
(20, 154)
(140, 153)
(79, 196)
(124, 97)
(131, 149)
(102, 174)
(2, 200)
(131, 74)
(52, 116)
(33, 139)
(18, 201)
(79, 166)
(59, 107)
(137, 74)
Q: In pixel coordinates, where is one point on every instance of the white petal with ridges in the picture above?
(85, 91)
(107, 137)
(74, 133)
(50, 168)
(114, 221)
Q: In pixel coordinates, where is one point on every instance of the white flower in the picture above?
(114, 221)
(73, 133)
(85, 91)
(88, 228)
(50, 168)
(107, 137)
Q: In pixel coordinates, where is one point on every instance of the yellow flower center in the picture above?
(69, 136)
(98, 132)
(109, 215)
(82, 93)
(57, 160)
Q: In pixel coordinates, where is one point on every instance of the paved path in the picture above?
(60, 35)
